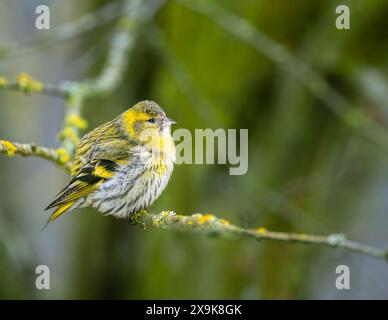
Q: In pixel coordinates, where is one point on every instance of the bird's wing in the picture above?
(104, 142)
(89, 177)
(96, 159)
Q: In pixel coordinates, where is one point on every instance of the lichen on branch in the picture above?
(58, 156)
(210, 224)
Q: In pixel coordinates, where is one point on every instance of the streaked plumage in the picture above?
(122, 166)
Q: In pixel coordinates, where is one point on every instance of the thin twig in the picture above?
(58, 156)
(121, 44)
(209, 224)
(75, 93)
(47, 89)
(65, 32)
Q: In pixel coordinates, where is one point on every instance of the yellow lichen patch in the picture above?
(28, 84)
(76, 121)
(154, 220)
(205, 218)
(164, 213)
(303, 236)
(158, 219)
(63, 156)
(69, 133)
(261, 230)
(23, 79)
(223, 221)
(3, 82)
(9, 147)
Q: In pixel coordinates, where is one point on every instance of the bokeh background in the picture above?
(314, 166)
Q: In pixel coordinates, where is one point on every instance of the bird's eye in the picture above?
(152, 120)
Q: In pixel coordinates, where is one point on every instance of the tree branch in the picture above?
(121, 44)
(58, 156)
(124, 37)
(209, 224)
(24, 83)
(64, 32)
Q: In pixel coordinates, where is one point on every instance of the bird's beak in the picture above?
(168, 122)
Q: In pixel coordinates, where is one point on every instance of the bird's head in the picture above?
(146, 122)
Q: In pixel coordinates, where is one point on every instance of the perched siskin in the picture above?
(122, 166)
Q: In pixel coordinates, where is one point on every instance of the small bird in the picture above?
(122, 166)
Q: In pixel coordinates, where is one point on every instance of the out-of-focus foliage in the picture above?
(308, 171)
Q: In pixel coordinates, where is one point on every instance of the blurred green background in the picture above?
(310, 170)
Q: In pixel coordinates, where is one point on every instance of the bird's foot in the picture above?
(134, 217)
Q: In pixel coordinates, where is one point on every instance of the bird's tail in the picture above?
(59, 211)
(85, 182)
